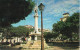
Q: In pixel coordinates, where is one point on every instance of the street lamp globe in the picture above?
(41, 7)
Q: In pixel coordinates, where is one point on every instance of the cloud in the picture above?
(61, 7)
(48, 21)
(45, 19)
(71, 2)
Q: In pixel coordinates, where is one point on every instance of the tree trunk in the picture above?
(17, 39)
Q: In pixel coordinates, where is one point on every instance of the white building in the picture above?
(66, 15)
(29, 26)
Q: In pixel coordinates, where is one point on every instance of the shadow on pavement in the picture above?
(8, 48)
(65, 45)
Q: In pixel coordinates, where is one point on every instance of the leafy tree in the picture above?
(19, 31)
(47, 36)
(12, 11)
(57, 27)
(55, 34)
(73, 22)
(69, 27)
(74, 26)
(28, 32)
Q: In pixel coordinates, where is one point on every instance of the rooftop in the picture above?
(65, 13)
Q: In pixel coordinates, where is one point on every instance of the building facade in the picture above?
(66, 15)
(29, 26)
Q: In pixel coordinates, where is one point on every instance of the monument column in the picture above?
(36, 19)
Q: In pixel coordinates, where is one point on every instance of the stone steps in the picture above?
(27, 45)
(36, 44)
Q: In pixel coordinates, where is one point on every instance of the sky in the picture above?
(53, 11)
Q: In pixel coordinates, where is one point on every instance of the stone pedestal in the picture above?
(34, 41)
(34, 36)
(35, 45)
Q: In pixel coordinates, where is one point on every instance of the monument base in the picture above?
(34, 41)
(35, 44)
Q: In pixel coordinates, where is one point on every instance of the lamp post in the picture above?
(41, 8)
